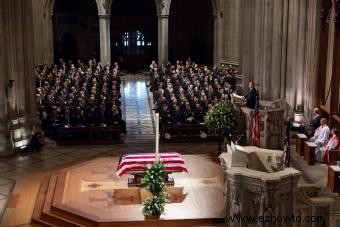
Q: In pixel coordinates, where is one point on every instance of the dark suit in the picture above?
(251, 98)
(315, 121)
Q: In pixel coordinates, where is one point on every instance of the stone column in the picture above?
(312, 53)
(247, 44)
(232, 28)
(18, 110)
(105, 47)
(301, 42)
(277, 53)
(292, 41)
(163, 38)
(218, 42)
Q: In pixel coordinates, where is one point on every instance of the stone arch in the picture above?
(108, 3)
(50, 6)
(166, 4)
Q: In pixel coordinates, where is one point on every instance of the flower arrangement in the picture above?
(154, 181)
(220, 120)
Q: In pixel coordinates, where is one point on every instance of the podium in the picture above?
(333, 180)
(299, 141)
(271, 126)
(309, 152)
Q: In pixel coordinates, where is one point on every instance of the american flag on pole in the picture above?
(286, 148)
(255, 137)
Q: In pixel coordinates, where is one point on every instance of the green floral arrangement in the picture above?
(220, 119)
(154, 181)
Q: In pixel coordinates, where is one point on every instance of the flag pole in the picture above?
(157, 138)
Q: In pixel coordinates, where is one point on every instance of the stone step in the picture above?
(42, 211)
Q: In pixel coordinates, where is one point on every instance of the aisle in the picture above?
(136, 109)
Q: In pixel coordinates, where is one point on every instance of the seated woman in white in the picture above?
(322, 153)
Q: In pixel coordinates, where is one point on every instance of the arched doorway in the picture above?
(191, 31)
(76, 30)
(134, 33)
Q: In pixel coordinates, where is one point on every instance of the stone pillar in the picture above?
(18, 110)
(312, 53)
(163, 38)
(218, 41)
(232, 28)
(277, 53)
(292, 41)
(105, 47)
(43, 32)
(247, 44)
(330, 56)
(301, 42)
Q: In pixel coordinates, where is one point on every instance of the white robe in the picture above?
(321, 136)
(320, 152)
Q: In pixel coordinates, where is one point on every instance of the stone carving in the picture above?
(105, 4)
(276, 162)
(254, 192)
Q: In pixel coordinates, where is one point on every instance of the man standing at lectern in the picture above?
(251, 96)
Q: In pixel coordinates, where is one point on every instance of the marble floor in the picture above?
(137, 111)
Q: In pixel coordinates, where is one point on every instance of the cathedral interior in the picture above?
(86, 83)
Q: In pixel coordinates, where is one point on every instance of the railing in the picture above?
(88, 135)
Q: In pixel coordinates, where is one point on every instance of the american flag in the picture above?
(173, 162)
(286, 149)
(255, 137)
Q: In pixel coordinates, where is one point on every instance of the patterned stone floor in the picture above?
(137, 110)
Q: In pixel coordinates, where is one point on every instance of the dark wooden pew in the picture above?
(95, 135)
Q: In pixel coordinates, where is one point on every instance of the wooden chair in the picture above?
(334, 156)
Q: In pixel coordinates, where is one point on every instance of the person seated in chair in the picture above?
(322, 153)
(321, 134)
(114, 118)
(177, 117)
(165, 116)
(188, 114)
(78, 118)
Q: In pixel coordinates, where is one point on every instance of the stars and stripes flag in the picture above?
(286, 146)
(173, 162)
(255, 137)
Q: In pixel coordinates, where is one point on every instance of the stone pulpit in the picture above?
(257, 184)
(271, 126)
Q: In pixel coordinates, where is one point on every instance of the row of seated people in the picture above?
(183, 93)
(324, 138)
(78, 95)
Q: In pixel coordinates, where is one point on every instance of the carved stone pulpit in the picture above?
(257, 184)
(271, 126)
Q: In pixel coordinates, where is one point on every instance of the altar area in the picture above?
(91, 194)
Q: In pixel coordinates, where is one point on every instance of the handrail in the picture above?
(324, 108)
(336, 117)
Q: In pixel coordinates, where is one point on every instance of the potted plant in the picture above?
(154, 182)
(220, 120)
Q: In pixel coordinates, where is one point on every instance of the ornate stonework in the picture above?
(255, 193)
